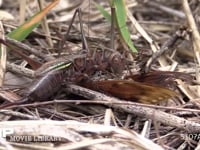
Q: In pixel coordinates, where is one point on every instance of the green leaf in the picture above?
(120, 11)
(103, 12)
(25, 29)
(21, 32)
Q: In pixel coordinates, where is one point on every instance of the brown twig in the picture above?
(18, 45)
(150, 113)
(165, 47)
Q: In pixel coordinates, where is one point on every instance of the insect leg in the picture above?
(84, 42)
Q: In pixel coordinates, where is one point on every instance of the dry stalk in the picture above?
(195, 32)
(157, 115)
(153, 45)
(3, 56)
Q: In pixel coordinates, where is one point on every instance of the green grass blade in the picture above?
(25, 29)
(105, 13)
(120, 20)
(121, 23)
